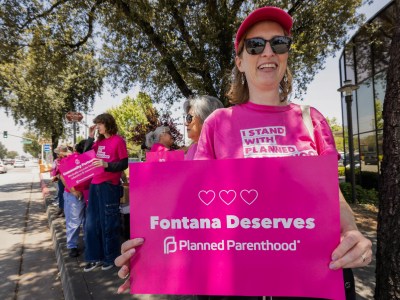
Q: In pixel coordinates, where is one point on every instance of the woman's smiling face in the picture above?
(263, 71)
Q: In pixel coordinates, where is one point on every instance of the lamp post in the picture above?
(348, 88)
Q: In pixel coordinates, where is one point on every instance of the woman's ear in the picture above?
(238, 62)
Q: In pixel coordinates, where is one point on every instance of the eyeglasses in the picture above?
(279, 45)
(189, 118)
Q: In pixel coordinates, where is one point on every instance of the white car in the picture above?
(19, 163)
(3, 168)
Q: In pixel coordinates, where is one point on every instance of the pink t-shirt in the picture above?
(112, 149)
(191, 151)
(252, 130)
(158, 147)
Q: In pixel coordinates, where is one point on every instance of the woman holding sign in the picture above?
(102, 227)
(263, 124)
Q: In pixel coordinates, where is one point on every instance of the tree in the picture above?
(136, 117)
(47, 74)
(34, 148)
(3, 151)
(337, 132)
(175, 48)
(12, 154)
(388, 245)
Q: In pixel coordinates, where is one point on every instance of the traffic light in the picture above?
(5, 134)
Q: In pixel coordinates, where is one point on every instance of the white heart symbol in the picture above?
(227, 196)
(206, 196)
(249, 196)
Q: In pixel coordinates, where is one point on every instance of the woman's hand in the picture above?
(92, 130)
(353, 251)
(127, 251)
(100, 163)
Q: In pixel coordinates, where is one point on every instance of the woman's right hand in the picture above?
(123, 261)
(92, 130)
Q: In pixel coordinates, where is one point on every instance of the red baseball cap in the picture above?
(267, 13)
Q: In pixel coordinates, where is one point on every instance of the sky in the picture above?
(321, 94)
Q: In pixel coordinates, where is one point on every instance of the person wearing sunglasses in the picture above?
(197, 109)
(260, 88)
(261, 85)
(160, 139)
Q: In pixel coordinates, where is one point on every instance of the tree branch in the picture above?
(44, 14)
(196, 52)
(158, 43)
(90, 26)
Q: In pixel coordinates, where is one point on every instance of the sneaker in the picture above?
(73, 252)
(91, 266)
(106, 267)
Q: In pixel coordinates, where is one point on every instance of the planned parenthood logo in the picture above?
(77, 162)
(170, 245)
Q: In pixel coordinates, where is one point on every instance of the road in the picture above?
(28, 268)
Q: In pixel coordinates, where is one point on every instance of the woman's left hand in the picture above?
(353, 251)
(100, 163)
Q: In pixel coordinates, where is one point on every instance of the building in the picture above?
(364, 61)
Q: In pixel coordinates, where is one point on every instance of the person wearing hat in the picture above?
(260, 87)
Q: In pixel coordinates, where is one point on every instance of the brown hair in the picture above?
(239, 91)
(109, 122)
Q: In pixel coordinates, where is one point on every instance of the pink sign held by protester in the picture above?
(244, 227)
(163, 156)
(78, 168)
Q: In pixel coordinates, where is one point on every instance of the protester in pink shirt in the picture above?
(102, 226)
(263, 124)
(197, 109)
(160, 139)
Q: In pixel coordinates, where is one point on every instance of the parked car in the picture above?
(3, 167)
(19, 163)
(8, 161)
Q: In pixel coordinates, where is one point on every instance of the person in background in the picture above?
(61, 151)
(260, 88)
(160, 139)
(197, 110)
(74, 208)
(102, 226)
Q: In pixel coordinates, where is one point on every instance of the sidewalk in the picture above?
(99, 284)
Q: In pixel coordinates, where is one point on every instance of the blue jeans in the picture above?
(60, 194)
(74, 210)
(102, 226)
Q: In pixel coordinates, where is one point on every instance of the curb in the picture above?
(73, 283)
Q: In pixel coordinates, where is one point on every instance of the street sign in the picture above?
(26, 142)
(73, 116)
(46, 147)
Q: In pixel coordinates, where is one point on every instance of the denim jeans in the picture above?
(102, 227)
(74, 210)
(60, 194)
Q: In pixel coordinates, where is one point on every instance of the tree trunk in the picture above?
(388, 246)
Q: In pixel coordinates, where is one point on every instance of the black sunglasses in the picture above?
(279, 44)
(189, 118)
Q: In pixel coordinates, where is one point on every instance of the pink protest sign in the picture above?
(78, 168)
(244, 227)
(162, 156)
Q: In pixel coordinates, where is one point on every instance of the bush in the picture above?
(341, 171)
(364, 196)
(367, 180)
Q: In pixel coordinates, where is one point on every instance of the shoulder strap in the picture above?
(306, 114)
